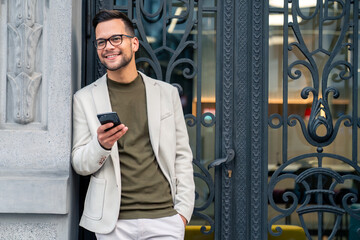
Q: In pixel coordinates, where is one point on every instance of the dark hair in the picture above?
(106, 15)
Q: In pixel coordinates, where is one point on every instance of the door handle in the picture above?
(229, 157)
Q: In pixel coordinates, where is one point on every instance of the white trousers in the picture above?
(166, 228)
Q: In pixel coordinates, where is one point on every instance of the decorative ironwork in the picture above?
(257, 142)
(150, 53)
(227, 120)
(315, 186)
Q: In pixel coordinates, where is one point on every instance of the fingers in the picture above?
(102, 128)
(108, 138)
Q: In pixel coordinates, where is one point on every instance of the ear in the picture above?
(135, 44)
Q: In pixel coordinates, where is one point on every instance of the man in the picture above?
(141, 184)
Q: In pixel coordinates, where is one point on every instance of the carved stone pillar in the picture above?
(24, 78)
(37, 67)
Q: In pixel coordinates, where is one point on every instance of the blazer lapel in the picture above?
(102, 102)
(153, 111)
(101, 96)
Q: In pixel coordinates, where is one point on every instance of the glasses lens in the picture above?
(116, 40)
(100, 44)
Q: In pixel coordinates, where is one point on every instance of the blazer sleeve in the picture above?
(185, 186)
(87, 154)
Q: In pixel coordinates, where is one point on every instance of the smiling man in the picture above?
(141, 184)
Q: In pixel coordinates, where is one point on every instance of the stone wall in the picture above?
(37, 75)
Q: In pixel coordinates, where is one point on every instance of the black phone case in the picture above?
(109, 117)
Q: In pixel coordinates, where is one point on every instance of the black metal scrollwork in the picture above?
(206, 177)
(315, 187)
(165, 16)
(203, 175)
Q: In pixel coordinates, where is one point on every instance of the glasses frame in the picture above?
(109, 40)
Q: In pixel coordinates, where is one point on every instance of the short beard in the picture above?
(122, 64)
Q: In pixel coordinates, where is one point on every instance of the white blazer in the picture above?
(169, 139)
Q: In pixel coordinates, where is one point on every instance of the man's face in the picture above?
(115, 57)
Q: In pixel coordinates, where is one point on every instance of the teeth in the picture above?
(111, 56)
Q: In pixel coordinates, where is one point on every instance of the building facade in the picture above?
(270, 96)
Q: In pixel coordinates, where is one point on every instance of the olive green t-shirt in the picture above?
(145, 192)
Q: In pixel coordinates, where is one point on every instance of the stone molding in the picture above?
(36, 193)
(36, 100)
(24, 80)
(37, 70)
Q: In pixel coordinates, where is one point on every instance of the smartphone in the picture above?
(109, 117)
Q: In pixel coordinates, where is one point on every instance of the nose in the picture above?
(108, 45)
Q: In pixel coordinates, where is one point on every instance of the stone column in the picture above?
(35, 120)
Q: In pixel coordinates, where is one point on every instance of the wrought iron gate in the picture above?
(173, 35)
(317, 127)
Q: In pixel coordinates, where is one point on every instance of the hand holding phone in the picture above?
(109, 117)
(108, 139)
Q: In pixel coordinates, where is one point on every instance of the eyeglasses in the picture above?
(114, 40)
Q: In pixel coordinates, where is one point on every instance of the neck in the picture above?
(123, 75)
